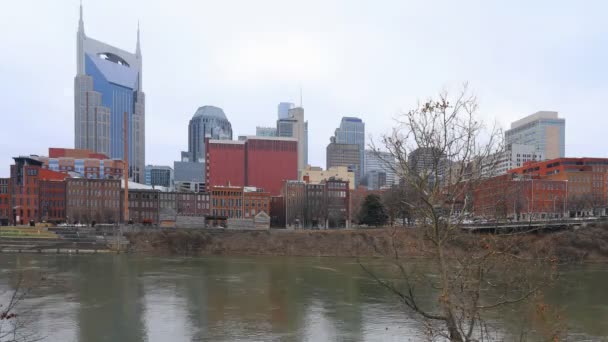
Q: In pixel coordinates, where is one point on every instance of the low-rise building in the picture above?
(316, 175)
(5, 198)
(323, 205)
(89, 200)
(520, 198)
(144, 206)
(52, 200)
(233, 202)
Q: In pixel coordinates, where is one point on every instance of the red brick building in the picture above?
(262, 162)
(144, 206)
(26, 175)
(225, 163)
(5, 199)
(517, 197)
(52, 200)
(324, 205)
(587, 181)
(238, 202)
(89, 200)
(270, 161)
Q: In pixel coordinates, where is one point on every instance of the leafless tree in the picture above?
(439, 148)
(13, 318)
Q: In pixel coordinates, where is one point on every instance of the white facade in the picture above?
(513, 157)
(544, 130)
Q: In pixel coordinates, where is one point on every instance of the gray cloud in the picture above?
(369, 59)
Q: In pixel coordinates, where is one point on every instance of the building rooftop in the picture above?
(211, 112)
(351, 119)
(533, 117)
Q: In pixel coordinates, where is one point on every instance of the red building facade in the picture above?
(270, 162)
(225, 163)
(516, 197)
(5, 199)
(52, 201)
(26, 175)
(586, 178)
(262, 162)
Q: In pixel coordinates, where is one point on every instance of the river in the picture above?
(138, 298)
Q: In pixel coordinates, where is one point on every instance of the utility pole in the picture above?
(125, 170)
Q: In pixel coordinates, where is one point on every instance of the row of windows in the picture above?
(146, 204)
(93, 203)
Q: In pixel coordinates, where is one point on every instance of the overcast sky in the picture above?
(371, 59)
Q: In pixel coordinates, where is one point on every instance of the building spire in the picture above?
(80, 21)
(137, 48)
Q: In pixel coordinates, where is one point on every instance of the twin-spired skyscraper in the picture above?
(107, 85)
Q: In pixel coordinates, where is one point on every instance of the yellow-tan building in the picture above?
(314, 175)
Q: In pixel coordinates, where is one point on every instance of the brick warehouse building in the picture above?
(262, 162)
(587, 181)
(26, 175)
(90, 200)
(234, 202)
(521, 198)
(5, 199)
(52, 200)
(324, 205)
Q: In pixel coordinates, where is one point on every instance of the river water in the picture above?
(137, 298)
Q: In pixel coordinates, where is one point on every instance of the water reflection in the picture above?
(133, 298)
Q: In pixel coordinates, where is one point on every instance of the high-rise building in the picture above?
(263, 162)
(377, 165)
(108, 85)
(295, 127)
(283, 109)
(159, 175)
(207, 122)
(514, 156)
(544, 130)
(352, 131)
(427, 161)
(344, 155)
(266, 131)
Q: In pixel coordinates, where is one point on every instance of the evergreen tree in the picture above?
(372, 211)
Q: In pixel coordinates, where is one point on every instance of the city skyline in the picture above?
(206, 70)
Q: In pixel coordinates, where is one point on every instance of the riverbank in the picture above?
(584, 244)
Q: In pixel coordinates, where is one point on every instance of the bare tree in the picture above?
(13, 318)
(439, 149)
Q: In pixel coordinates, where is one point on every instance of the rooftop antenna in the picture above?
(300, 95)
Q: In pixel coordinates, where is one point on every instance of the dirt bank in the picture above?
(585, 244)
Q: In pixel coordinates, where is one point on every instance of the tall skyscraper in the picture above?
(376, 164)
(544, 130)
(352, 131)
(107, 85)
(283, 109)
(266, 131)
(344, 155)
(427, 161)
(207, 122)
(294, 126)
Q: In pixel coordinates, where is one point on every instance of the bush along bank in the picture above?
(584, 244)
